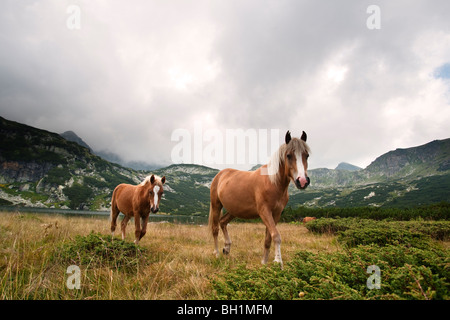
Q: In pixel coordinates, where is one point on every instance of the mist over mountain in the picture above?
(136, 165)
(109, 156)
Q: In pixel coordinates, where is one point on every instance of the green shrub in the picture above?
(439, 230)
(99, 250)
(382, 232)
(383, 236)
(330, 225)
(57, 176)
(439, 211)
(406, 273)
(77, 194)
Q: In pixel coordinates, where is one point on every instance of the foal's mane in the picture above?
(277, 159)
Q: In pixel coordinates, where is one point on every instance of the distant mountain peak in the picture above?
(347, 166)
(72, 136)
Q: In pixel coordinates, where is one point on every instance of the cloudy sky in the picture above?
(125, 75)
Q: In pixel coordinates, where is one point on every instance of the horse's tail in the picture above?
(213, 221)
(215, 208)
(114, 212)
(113, 204)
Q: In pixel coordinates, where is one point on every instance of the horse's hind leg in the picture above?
(214, 216)
(223, 225)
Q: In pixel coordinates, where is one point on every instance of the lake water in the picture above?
(179, 219)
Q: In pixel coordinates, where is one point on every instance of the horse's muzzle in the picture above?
(299, 185)
(154, 210)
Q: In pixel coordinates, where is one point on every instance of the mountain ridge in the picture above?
(42, 169)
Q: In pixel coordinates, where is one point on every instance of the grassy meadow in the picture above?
(175, 261)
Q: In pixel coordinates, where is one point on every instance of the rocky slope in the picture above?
(41, 168)
(429, 159)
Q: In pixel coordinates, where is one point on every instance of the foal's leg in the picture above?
(137, 230)
(144, 222)
(123, 225)
(223, 225)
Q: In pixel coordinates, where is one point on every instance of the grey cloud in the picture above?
(135, 72)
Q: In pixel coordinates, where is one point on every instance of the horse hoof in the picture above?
(225, 251)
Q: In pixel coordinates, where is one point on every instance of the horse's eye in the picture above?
(151, 192)
(289, 156)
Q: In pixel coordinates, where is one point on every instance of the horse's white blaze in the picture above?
(156, 196)
(300, 167)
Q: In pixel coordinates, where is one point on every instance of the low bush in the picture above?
(439, 211)
(439, 230)
(97, 250)
(78, 194)
(354, 231)
(383, 236)
(412, 265)
(405, 273)
(330, 225)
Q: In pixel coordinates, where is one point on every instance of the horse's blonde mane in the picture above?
(278, 157)
(147, 179)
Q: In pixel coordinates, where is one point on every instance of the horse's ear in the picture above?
(152, 179)
(163, 179)
(303, 137)
(287, 138)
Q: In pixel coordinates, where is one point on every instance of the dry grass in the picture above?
(179, 262)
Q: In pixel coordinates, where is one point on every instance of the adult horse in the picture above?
(136, 201)
(262, 193)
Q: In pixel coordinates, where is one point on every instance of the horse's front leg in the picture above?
(267, 244)
(271, 228)
(278, 250)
